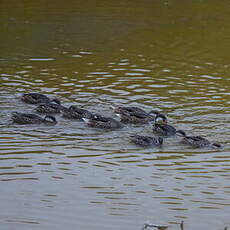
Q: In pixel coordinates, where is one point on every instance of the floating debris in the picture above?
(158, 227)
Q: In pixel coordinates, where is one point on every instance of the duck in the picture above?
(30, 118)
(161, 128)
(73, 112)
(98, 121)
(35, 98)
(50, 108)
(146, 141)
(134, 115)
(197, 141)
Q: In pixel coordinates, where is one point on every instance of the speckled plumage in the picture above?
(98, 121)
(73, 112)
(35, 98)
(53, 107)
(146, 141)
(134, 115)
(30, 118)
(164, 130)
(196, 141)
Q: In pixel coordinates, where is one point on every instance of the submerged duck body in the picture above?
(50, 108)
(98, 121)
(146, 141)
(30, 118)
(35, 98)
(73, 112)
(163, 129)
(134, 115)
(196, 141)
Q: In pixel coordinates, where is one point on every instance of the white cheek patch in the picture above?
(159, 119)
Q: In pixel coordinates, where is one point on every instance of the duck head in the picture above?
(161, 118)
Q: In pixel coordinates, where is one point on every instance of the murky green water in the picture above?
(170, 55)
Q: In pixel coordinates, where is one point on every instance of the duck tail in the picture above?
(217, 145)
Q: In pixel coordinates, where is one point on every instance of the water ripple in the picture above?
(53, 176)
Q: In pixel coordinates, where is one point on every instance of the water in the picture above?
(166, 55)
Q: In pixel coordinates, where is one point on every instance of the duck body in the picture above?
(197, 141)
(98, 121)
(30, 118)
(73, 112)
(129, 109)
(50, 108)
(134, 115)
(35, 98)
(164, 130)
(133, 119)
(146, 141)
